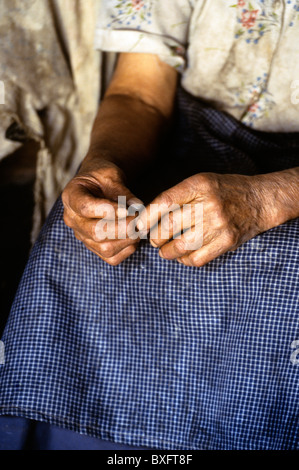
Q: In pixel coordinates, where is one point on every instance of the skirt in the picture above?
(152, 353)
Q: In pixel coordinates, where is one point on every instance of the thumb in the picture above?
(90, 199)
(168, 201)
(125, 199)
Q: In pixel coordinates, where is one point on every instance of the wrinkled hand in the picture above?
(232, 213)
(91, 210)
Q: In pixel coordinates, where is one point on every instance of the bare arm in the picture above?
(136, 108)
(126, 132)
(280, 191)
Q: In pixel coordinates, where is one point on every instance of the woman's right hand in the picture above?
(92, 211)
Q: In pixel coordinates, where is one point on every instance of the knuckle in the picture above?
(194, 240)
(118, 259)
(180, 246)
(168, 223)
(195, 258)
(203, 181)
(219, 219)
(166, 199)
(83, 209)
(113, 262)
(67, 220)
(107, 250)
(65, 197)
(231, 238)
(198, 261)
(195, 262)
(97, 234)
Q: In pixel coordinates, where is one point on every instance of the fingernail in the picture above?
(133, 208)
(161, 254)
(154, 244)
(136, 207)
(135, 202)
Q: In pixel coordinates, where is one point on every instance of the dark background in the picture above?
(17, 177)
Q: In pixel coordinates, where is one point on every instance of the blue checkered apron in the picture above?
(153, 353)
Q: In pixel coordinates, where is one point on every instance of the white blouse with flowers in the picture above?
(242, 56)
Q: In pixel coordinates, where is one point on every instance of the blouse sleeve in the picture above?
(150, 26)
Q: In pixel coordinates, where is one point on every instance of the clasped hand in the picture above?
(232, 212)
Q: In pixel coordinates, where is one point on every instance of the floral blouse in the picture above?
(240, 55)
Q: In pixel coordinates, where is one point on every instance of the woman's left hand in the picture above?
(212, 214)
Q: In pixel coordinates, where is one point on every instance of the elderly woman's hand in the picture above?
(131, 119)
(92, 211)
(234, 210)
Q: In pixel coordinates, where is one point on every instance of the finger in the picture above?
(172, 199)
(106, 249)
(114, 260)
(116, 191)
(80, 201)
(91, 200)
(188, 242)
(174, 223)
(208, 252)
(101, 229)
(122, 256)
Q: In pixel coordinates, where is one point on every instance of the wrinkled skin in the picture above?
(133, 115)
(92, 196)
(232, 214)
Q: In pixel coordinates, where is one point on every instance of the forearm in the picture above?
(126, 132)
(279, 193)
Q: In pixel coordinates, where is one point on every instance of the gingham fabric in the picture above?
(156, 354)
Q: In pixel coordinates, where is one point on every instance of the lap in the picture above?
(152, 353)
